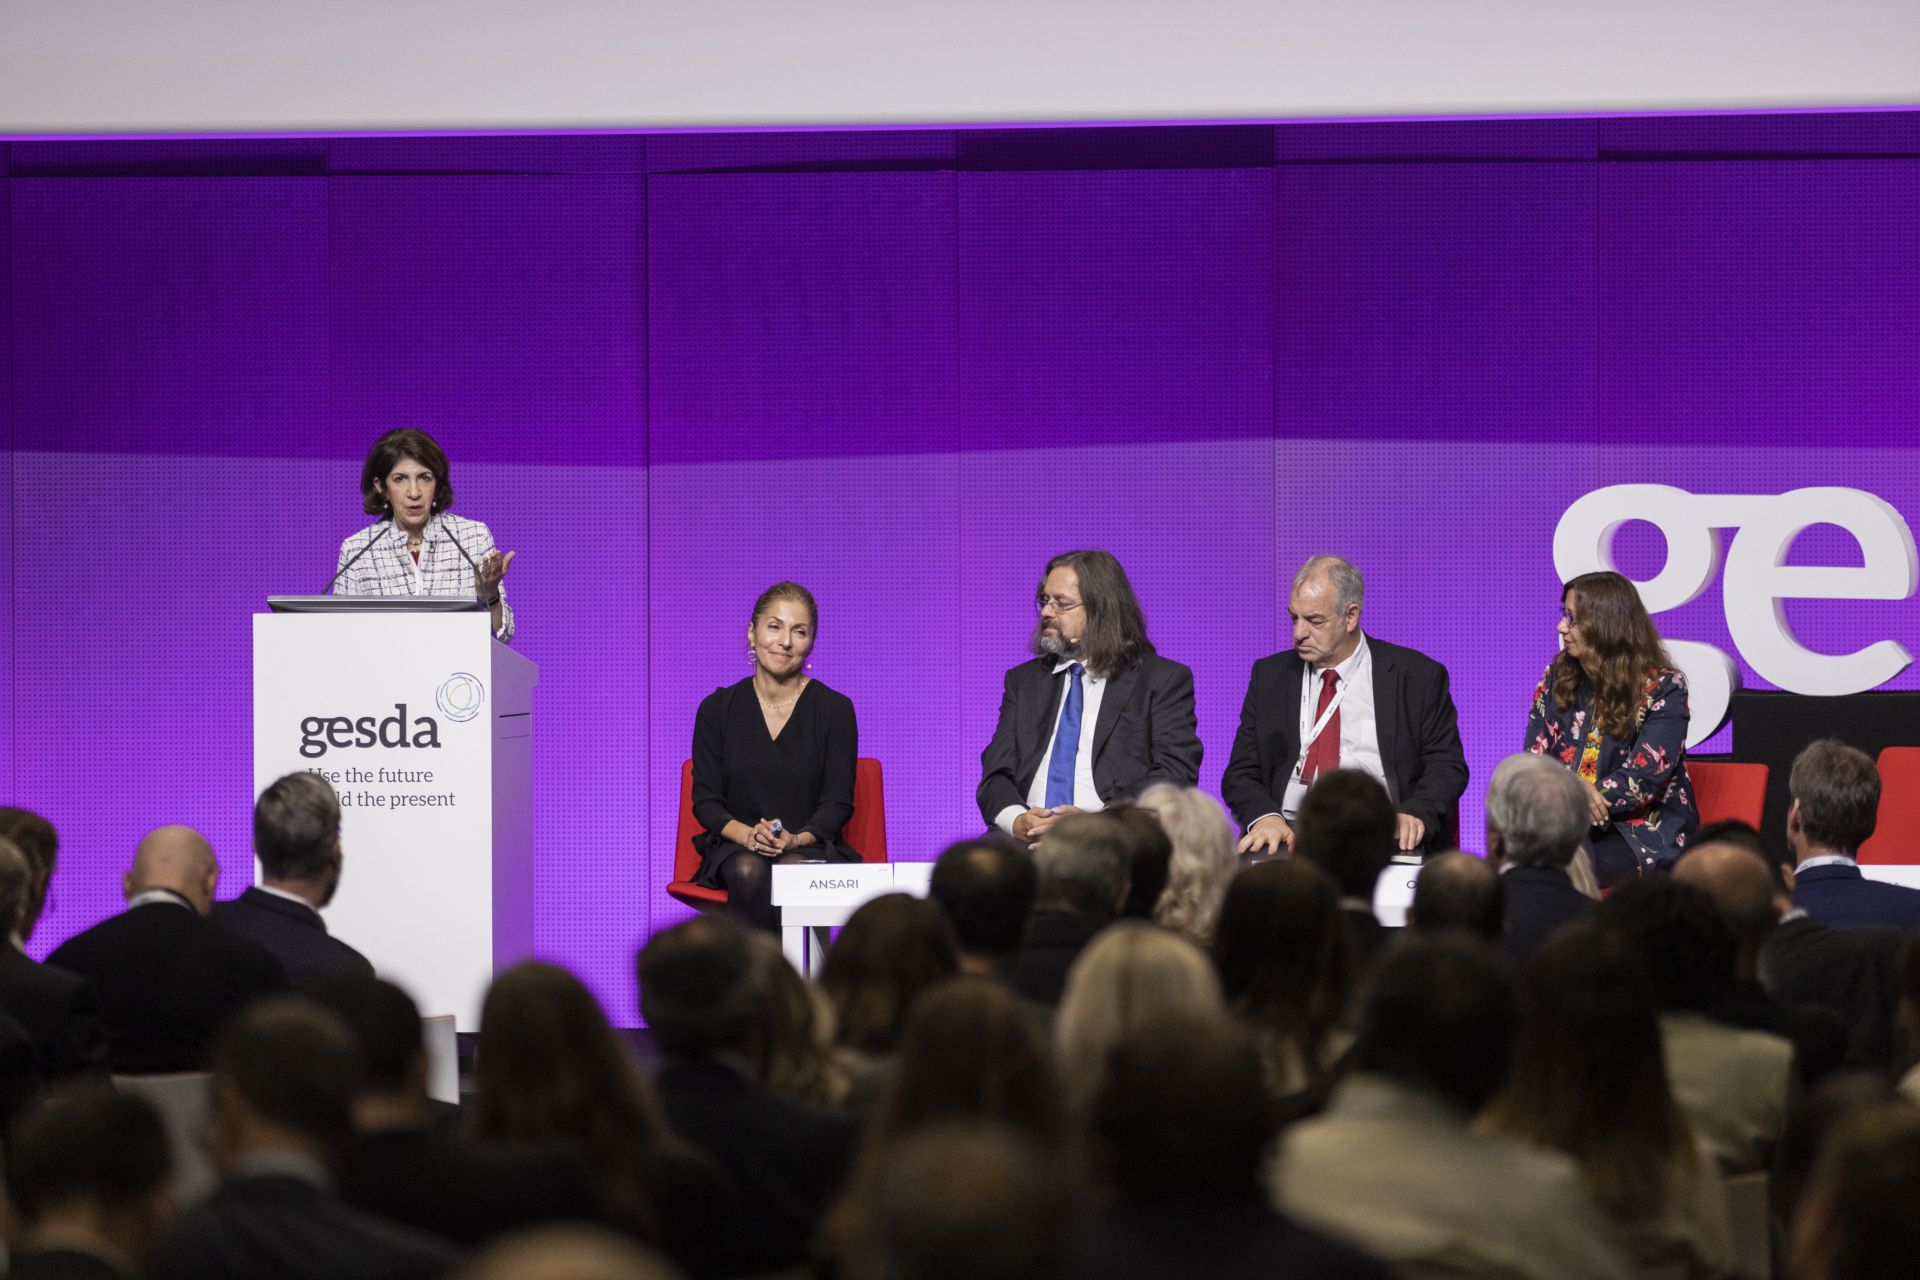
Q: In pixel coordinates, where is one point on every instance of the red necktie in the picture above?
(1324, 754)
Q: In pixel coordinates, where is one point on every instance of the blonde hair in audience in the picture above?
(1128, 975)
(1202, 863)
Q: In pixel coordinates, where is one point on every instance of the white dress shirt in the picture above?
(1359, 728)
(1092, 688)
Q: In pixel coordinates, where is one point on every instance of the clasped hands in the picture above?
(768, 843)
(1032, 824)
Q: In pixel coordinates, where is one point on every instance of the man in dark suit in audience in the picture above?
(406, 1167)
(284, 1073)
(87, 1174)
(1457, 891)
(987, 888)
(1347, 826)
(1836, 801)
(704, 996)
(1097, 717)
(1536, 819)
(296, 834)
(56, 1008)
(1377, 707)
(167, 979)
(1084, 864)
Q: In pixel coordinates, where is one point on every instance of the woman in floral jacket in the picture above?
(1613, 708)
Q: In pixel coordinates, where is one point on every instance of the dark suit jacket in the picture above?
(1539, 900)
(1414, 716)
(1220, 1236)
(293, 933)
(63, 1264)
(783, 1162)
(1145, 733)
(1854, 972)
(167, 979)
(459, 1190)
(1844, 898)
(284, 1226)
(59, 1010)
(1055, 940)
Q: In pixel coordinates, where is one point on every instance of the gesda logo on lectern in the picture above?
(459, 698)
(1756, 578)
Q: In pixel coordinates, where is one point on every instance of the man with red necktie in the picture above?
(1340, 699)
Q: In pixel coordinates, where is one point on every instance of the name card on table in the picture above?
(830, 884)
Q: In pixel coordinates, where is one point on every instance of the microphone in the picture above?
(355, 556)
(461, 547)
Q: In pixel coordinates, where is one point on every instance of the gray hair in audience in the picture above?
(1539, 810)
(1202, 863)
(295, 823)
(16, 887)
(1084, 859)
(1349, 588)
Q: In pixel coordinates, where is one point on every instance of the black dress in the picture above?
(804, 777)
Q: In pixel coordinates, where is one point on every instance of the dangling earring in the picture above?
(753, 659)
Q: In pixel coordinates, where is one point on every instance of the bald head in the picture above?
(176, 858)
(1737, 880)
(1459, 891)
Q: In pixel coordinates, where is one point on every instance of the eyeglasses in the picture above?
(1059, 604)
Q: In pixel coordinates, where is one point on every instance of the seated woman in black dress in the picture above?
(773, 761)
(1612, 707)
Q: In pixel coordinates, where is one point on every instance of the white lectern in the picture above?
(424, 725)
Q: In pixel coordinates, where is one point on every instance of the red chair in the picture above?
(1723, 790)
(865, 831)
(1896, 830)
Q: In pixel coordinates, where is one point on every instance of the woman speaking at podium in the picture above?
(419, 549)
(773, 762)
(1613, 708)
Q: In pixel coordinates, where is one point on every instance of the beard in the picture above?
(1052, 643)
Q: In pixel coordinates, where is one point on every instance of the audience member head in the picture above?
(1536, 813)
(1589, 1075)
(385, 1023)
(1282, 953)
(1907, 999)
(571, 1251)
(550, 1071)
(1439, 1017)
(1744, 835)
(36, 838)
(285, 1073)
(177, 859)
(1152, 851)
(1129, 973)
(88, 1166)
(1347, 826)
(1609, 644)
(1202, 863)
(965, 1202)
(698, 988)
(1828, 1106)
(1459, 891)
(1836, 799)
(1688, 945)
(986, 887)
(1084, 862)
(1740, 884)
(1182, 1112)
(16, 889)
(1857, 1220)
(891, 949)
(296, 835)
(794, 1042)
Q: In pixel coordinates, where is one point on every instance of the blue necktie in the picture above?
(1066, 747)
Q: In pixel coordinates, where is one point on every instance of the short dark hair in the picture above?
(1838, 788)
(699, 987)
(1440, 1015)
(388, 452)
(1183, 1109)
(1115, 638)
(293, 1063)
(1459, 891)
(986, 887)
(1085, 860)
(295, 823)
(1152, 858)
(1346, 825)
(1688, 943)
(385, 1023)
(85, 1142)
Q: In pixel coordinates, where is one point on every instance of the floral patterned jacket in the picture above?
(1644, 778)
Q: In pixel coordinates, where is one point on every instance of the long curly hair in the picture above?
(1623, 649)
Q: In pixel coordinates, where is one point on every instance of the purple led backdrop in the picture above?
(903, 368)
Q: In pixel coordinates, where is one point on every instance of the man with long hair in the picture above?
(1341, 699)
(1059, 748)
